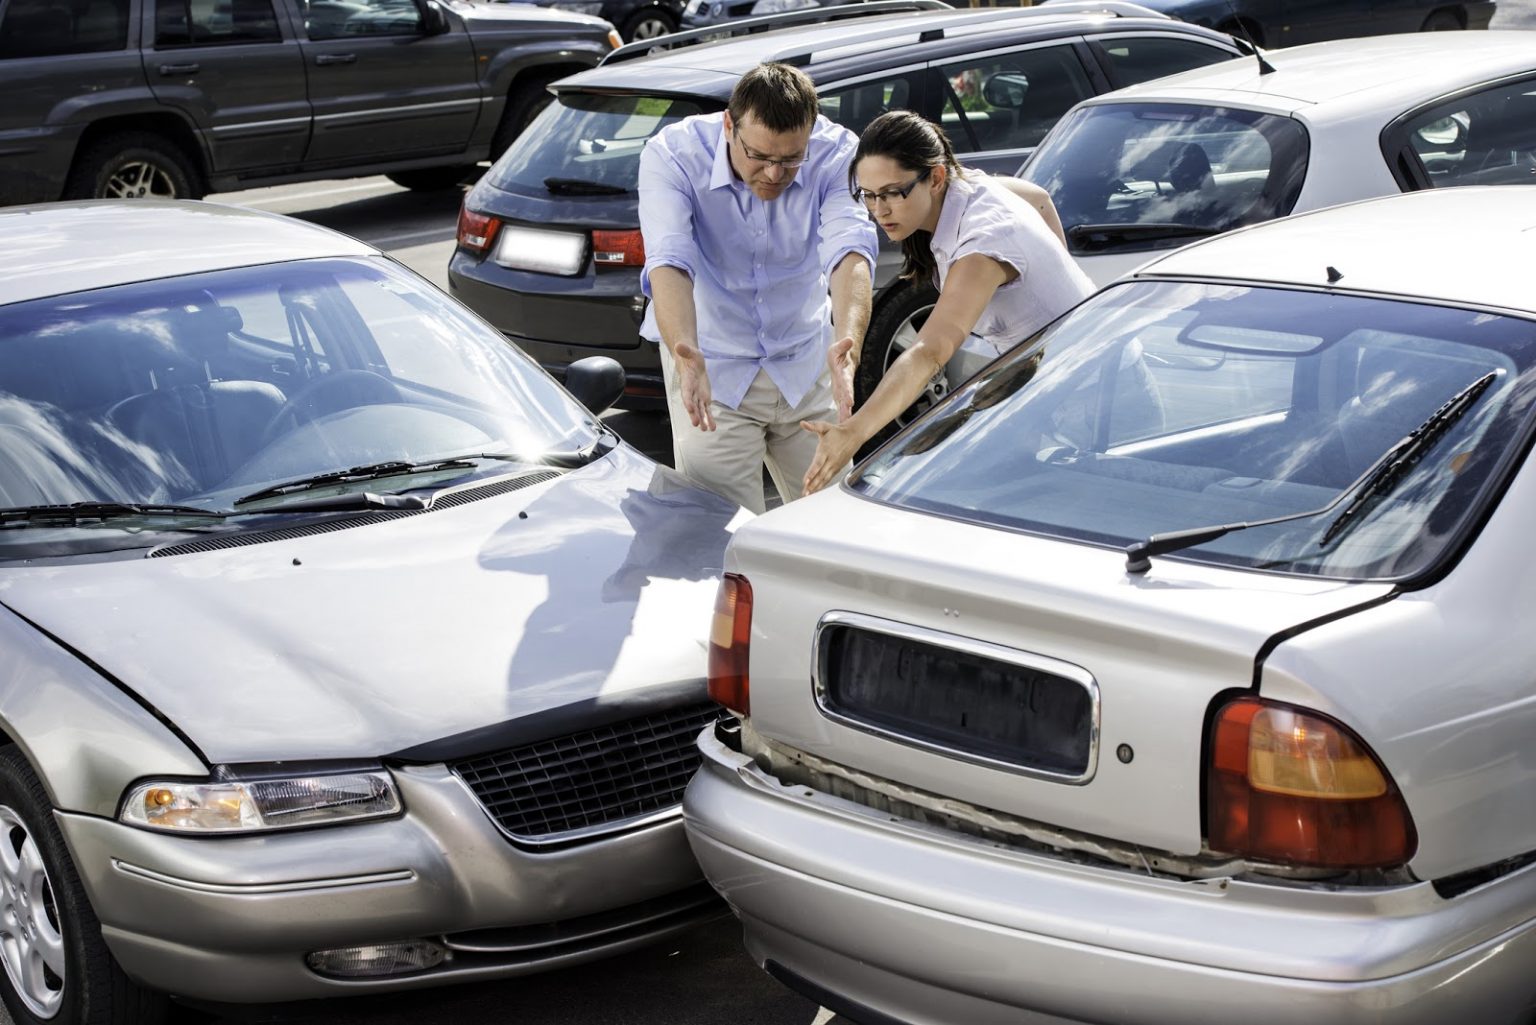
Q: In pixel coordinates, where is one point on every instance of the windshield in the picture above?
(198, 390)
(1161, 407)
(1141, 176)
(582, 139)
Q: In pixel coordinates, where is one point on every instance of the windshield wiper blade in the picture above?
(1379, 478)
(1102, 236)
(582, 187)
(75, 513)
(1392, 467)
(373, 471)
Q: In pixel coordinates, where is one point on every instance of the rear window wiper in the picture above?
(1379, 478)
(582, 187)
(373, 471)
(76, 513)
(1102, 236)
(1405, 455)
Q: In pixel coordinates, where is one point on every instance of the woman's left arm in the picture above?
(968, 288)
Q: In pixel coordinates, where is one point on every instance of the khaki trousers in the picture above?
(763, 430)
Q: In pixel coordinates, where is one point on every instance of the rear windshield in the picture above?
(587, 139)
(1158, 407)
(1135, 176)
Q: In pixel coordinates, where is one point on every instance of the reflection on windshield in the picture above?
(1156, 408)
(197, 390)
(1128, 177)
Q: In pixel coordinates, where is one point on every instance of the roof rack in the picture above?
(769, 23)
(968, 19)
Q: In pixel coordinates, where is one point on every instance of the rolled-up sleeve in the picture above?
(845, 224)
(666, 214)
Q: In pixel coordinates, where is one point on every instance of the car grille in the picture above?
(596, 781)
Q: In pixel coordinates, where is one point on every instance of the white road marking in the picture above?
(434, 235)
(822, 1017)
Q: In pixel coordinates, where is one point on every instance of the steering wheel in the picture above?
(328, 393)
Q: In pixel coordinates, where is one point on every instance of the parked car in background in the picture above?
(1217, 148)
(134, 98)
(341, 650)
(636, 19)
(1174, 671)
(549, 248)
(1288, 22)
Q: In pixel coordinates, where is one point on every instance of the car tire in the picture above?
(432, 179)
(892, 329)
(531, 97)
(648, 24)
(58, 970)
(1443, 20)
(133, 165)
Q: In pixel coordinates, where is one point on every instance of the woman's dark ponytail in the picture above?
(916, 145)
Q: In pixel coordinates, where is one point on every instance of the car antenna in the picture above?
(1265, 67)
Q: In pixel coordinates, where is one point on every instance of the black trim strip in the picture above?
(841, 1006)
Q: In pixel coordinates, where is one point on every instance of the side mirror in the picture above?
(433, 21)
(1005, 90)
(596, 382)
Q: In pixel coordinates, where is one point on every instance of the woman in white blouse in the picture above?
(992, 245)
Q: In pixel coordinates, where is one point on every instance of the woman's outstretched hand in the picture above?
(835, 447)
(840, 364)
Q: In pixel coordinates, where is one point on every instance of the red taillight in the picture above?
(729, 636)
(1290, 786)
(618, 248)
(476, 230)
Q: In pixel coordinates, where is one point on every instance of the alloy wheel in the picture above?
(31, 943)
(937, 387)
(137, 180)
(649, 28)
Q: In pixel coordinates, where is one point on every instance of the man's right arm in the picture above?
(666, 226)
(676, 319)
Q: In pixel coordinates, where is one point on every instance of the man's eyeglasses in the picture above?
(890, 195)
(787, 163)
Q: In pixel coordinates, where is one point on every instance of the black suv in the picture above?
(178, 98)
(549, 246)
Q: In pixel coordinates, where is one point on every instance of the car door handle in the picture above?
(180, 69)
(336, 58)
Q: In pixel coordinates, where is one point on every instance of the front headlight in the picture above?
(249, 806)
(579, 6)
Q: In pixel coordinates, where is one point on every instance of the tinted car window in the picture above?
(47, 28)
(1133, 59)
(210, 22)
(332, 19)
(1171, 406)
(202, 389)
(854, 107)
(584, 140)
(1140, 176)
(1011, 101)
(1488, 138)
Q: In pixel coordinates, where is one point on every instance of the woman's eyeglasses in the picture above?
(892, 194)
(787, 163)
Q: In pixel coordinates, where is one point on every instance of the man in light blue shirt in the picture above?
(748, 223)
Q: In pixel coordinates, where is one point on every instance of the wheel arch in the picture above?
(168, 126)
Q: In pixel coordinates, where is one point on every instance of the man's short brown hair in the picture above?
(779, 97)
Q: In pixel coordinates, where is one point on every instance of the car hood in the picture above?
(554, 604)
(510, 15)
